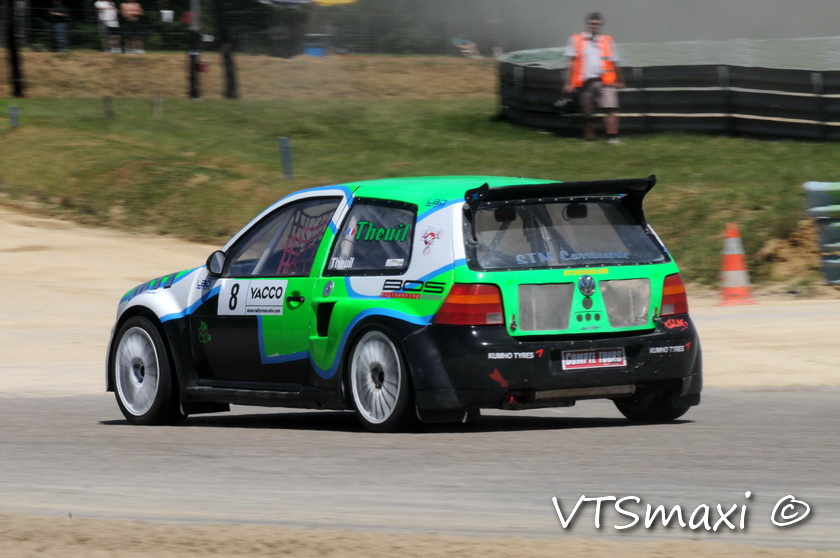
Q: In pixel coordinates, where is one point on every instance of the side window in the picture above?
(284, 243)
(375, 240)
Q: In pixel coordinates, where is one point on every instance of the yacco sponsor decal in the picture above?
(252, 298)
(676, 323)
(327, 373)
(565, 256)
(368, 231)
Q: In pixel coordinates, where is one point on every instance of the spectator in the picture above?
(594, 75)
(59, 16)
(132, 14)
(109, 25)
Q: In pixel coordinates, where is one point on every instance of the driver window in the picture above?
(284, 243)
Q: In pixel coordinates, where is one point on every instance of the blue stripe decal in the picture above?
(436, 209)
(327, 373)
(275, 359)
(444, 269)
(192, 308)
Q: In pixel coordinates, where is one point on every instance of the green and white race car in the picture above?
(429, 297)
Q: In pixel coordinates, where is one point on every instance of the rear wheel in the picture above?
(143, 383)
(379, 383)
(650, 407)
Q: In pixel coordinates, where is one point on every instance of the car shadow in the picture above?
(345, 421)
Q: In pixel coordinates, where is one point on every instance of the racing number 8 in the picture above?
(234, 291)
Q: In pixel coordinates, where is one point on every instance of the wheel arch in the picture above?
(395, 328)
(165, 333)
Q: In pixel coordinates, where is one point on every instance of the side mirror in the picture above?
(216, 263)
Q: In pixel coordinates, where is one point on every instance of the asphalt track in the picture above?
(75, 455)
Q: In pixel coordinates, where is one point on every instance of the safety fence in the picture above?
(253, 28)
(712, 98)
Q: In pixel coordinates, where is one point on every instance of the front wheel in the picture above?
(379, 383)
(650, 407)
(143, 382)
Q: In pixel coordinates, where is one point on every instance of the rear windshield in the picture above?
(549, 234)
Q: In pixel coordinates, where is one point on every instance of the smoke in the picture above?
(523, 24)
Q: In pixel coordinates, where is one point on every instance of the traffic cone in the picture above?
(735, 283)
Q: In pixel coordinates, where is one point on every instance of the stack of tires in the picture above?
(823, 199)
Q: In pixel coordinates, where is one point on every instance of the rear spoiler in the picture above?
(633, 191)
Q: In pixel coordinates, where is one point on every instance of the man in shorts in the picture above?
(109, 25)
(594, 74)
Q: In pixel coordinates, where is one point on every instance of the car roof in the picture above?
(421, 188)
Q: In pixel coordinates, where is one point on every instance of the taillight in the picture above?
(674, 299)
(471, 305)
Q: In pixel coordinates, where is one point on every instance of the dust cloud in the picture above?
(527, 24)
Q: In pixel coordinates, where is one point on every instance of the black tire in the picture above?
(649, 408)
(379, 383)
(142, 376)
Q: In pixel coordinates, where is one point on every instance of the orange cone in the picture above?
(735, 283)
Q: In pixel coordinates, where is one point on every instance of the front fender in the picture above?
(166, 301)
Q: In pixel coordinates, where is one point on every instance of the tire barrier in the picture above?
(712, 98)
(823, 200)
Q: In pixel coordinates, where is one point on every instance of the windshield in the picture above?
(536, 235)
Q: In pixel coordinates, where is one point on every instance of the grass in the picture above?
(203, 169)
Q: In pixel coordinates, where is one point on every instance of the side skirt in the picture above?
(302, 398)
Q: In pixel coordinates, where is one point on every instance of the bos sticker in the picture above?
(262, 297)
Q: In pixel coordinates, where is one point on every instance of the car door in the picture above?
(254, 334)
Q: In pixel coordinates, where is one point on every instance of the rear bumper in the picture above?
(484, 367)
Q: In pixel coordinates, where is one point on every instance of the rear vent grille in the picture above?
(627, 301)
(545, 307)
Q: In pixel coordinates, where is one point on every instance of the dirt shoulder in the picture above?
(98, 74)
(25, 536)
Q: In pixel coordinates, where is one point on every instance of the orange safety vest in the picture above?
(606, 45)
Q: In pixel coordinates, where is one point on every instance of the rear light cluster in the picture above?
(674, 299)
(471, 304)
